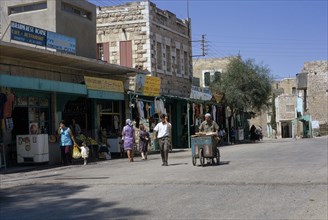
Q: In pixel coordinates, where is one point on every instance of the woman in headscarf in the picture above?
(128, 137)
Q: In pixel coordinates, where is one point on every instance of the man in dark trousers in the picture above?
(162, 135)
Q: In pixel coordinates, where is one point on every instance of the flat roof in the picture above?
(17, 51)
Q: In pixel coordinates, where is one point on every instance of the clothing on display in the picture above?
(9, 105)
(3, 99)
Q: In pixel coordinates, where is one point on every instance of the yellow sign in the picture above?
(103, 84)
(152, 86)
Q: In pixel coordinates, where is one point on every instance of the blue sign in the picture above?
(61, 43)
(28, 34)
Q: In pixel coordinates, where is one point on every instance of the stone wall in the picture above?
(317, 98)
(200, 65)
(155, 36)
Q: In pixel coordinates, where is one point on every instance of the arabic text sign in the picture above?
(104, 84)
(152, 86)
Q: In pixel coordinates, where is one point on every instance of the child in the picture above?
(120, 142)
(85, 152)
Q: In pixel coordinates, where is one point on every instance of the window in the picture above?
(217, 76)
(126, 53)
(159, 55)
(103, 51)
(207, 79)
(75, 10)
(185, 58)
(26, 8)
(290, 108)
(100, 51)
(178, 61)
(294, 91)
(168, 58)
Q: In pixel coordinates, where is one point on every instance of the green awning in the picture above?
(41, 84)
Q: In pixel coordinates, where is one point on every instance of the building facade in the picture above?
(40, 87)
(316, 94)
(70, 18)
(140, 35)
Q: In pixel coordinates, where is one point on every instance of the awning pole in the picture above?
(188, 120)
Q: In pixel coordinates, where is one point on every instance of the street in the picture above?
(273, 179)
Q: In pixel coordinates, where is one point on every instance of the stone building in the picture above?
(206, 69)
(315, 93)
(140, 35)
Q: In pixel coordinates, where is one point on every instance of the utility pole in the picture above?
(202, 46)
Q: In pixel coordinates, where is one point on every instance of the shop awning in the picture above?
(96, 94)
(41, 84)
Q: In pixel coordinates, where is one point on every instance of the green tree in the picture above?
(245, 85)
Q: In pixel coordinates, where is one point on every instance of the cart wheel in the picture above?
(217, 156)
(201, 157)
(194, 161)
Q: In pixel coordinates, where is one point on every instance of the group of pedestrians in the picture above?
(162, 133)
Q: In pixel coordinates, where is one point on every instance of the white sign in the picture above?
(315, 125)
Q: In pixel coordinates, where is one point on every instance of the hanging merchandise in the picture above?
(201, 111)
(9, 123)
(214, 112)
(140, 109)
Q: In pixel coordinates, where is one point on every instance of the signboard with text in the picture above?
(61, 42)
(28, 34)
(103, 84)
(152, 86)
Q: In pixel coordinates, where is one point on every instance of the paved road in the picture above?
(269, 180)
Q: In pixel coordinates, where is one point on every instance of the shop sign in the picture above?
(199, 93)
(147, 85)
(103, 84)
(28, 34)
(152, 86)
(61, 43)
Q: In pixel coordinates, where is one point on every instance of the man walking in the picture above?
(161, 134)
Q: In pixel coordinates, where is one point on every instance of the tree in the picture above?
(245, 86)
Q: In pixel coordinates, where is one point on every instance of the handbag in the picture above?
(76, 152)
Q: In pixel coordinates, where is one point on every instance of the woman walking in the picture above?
(128, 137)
(143, 142)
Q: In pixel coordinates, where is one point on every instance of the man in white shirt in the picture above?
(162, 134)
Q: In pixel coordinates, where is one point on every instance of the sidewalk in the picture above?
(34, 167)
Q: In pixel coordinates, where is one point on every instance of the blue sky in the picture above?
(282, 34)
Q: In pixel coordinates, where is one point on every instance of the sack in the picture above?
(76, 152)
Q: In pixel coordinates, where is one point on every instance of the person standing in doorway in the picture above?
(75, 127)
(128, 138)
(162, 133)
(66, 138)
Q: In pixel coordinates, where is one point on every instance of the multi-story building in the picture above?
(71, 18)
(313, 82)
(38, 87)
(301, 104)
(140, 35)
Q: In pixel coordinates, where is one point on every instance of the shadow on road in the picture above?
(177, 164)
(58, 201)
